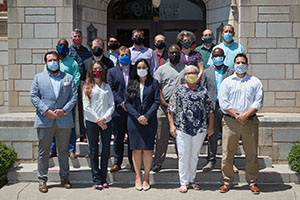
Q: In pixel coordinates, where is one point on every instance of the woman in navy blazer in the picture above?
(142, 101)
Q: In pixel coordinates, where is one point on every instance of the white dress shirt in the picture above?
(102, 103)
(241, 94)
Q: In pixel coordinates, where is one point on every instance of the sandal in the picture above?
(183, 189)
(194, 186)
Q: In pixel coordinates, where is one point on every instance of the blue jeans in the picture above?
(92, 130)
(72, 141)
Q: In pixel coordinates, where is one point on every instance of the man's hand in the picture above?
(142, 120)
(59, 112)
(51, 114)
(123, 106)
(173, 131)
(242, 118)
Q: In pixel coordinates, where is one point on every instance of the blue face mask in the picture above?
(62, 50)
(218, 60)
(53, 66)
(227, 37)
(125, 60)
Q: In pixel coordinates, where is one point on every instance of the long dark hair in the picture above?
(89, 82)
(134, 79)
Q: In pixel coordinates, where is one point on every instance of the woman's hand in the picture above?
(101, 122)
(103, 126)
(173, 131)
(210, 131)
(142, 120)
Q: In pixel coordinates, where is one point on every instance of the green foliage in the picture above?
(294, 158)
(8, 156)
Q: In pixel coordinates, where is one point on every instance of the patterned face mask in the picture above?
(97, 74)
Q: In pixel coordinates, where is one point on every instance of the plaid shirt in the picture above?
(79, 55)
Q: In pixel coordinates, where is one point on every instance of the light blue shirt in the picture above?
(230, 51)
(219, 77)
(241, 94)
(55, 81)
(113, 57)
(145, 53)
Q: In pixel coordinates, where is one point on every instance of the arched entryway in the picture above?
(171, 17)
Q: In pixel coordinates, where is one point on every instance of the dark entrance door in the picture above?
(169, 19)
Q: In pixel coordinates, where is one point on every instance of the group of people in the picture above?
(148, 94)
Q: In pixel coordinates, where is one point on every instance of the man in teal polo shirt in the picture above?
(230, 48)
(206, 48)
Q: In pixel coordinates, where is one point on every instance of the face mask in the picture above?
(191, 78)
(113, 46)
(97, 74)
(125, 60)
(77, 41)
(241, 68)
(62, 50)
(174, 59)
(137, 40)
(53, 66)
(208, 39)
(227, 37)
(160, 45)
(142, 72)
(218, 61)
(187, 44)
(97, 51)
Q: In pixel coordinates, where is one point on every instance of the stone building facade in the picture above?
(269, 30)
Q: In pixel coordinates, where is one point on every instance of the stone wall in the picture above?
(34, 27)
(270, 33)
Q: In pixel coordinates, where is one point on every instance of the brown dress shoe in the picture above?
(66, 183)
(115, 168)
(254, 189)
(43, 187)
(224, 188)
(52, 154)
(72, 155)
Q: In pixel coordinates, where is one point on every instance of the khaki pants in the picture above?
(232, 132)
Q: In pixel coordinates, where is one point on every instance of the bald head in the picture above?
(217, 52)
(173, 48)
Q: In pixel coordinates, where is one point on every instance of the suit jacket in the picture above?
(151, 101)
(165, 58)
(43, 98)
(209, 81)
(117, 84)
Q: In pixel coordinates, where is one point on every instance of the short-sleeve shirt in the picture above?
(193, 58)
(205, 53)
(191, 109)
(169, 76)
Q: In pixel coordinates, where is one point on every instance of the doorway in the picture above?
(169, 19)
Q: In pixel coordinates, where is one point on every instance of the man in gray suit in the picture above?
(54, 94)
(211, 80)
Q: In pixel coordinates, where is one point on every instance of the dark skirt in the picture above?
(141, 137)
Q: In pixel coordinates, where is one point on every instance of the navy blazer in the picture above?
(151, 101)
(43, 98)
(117, 84)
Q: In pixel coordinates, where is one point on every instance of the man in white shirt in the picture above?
(240, 97)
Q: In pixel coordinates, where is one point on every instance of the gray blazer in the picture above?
(43, 98)
(209, 81)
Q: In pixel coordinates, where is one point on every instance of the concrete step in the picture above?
(171, 162)
(275, 174)
(82, 148)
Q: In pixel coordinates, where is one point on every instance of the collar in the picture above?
(219, 71)
(227, 44)
(143, 47)
(52, 76)
(247, 76)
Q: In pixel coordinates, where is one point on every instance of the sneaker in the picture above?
(97, 187)
(43, 187)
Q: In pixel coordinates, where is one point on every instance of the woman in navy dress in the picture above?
(142, 101)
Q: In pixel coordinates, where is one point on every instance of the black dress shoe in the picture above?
(156, 168)
(66, 183)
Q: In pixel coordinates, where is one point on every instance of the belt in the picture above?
(251, 117)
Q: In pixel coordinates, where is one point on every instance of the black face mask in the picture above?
(208, 39)
(138, 40)
(113, 46)
(174, 59)
(160, 45)
(97, 51)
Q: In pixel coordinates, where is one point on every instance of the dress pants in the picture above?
(72, 141)
(188, 151)
(232, 132)
(213, 140)
(119, 124)
(98, 175)
(45, 136)
(162, 136)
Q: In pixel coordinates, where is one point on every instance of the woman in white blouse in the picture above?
(98, 106)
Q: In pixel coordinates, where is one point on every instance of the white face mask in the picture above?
(142, 72)
(241, 68)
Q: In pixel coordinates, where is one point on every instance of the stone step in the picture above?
(82, 148)
(275, 174)
(171, 161)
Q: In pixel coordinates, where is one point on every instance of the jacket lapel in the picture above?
(61, 84)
